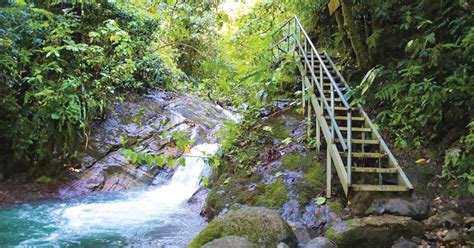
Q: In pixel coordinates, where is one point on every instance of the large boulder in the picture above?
(417, 209)
(261, 226)
(230, 242)
(373, 231)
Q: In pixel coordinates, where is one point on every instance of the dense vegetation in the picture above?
(63, 63)
(419, 54)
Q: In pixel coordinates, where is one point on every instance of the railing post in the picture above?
(333, 114)
(288, 36)
(349, 147)
(328, 174)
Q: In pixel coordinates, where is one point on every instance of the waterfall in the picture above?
(156, 217)
(140, 207)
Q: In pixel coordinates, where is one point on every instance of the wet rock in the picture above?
(361, 202)
(290, 211)
(318, 216)
(303, 234)
(447, 219)
(142, 120)
(262, 226)
(417, 209)
(230, 242)
(373, 231)
(320, 242)
(403, 243)
(198, 199)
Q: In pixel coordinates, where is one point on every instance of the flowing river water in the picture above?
(156, 216)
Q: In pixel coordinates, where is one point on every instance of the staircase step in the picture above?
(374, 170)
(357, 129)
(364, 141)
(344, 118)
(344, 108)
(365, 154)
(376, 187)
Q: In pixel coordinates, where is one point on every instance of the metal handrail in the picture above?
(337, 71)
(330, 108)
(325, 101)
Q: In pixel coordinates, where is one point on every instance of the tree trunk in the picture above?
(340, 26)
(360, 49)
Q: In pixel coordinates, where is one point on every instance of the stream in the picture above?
(110, 202)
(156, 216)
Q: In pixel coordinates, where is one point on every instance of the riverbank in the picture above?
(23, 189)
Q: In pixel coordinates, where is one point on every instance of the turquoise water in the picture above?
(152, 217)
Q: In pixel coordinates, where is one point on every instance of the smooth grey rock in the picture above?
(403, 243)
(374, 231)
(282, 245)
(453, 236)
(417, 209)
(230, 242)
(320, 242)
(447, 219)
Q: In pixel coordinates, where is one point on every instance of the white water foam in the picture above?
(154, 205)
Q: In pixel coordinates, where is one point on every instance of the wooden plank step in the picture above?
(374, 170)
(364, 141)
(356, 129)
(335, 99)
(344, 118)
(373, 187)
(365, 154)
(344, 108)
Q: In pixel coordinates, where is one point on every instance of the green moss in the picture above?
(331, 234)
(211, 232)
(294, 160)
(279, 130)
(261, 226)
(44, 180)
(336, 207)
(311, 183)
(230, 190)
(274, 196)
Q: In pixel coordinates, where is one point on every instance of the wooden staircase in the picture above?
(354, 146)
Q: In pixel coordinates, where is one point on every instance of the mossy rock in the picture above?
(275, 195)
(261, 226)
(230, 190)
(230, 242)
(295, 160)
(313, 181)
(281, 130)
(373, 231)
